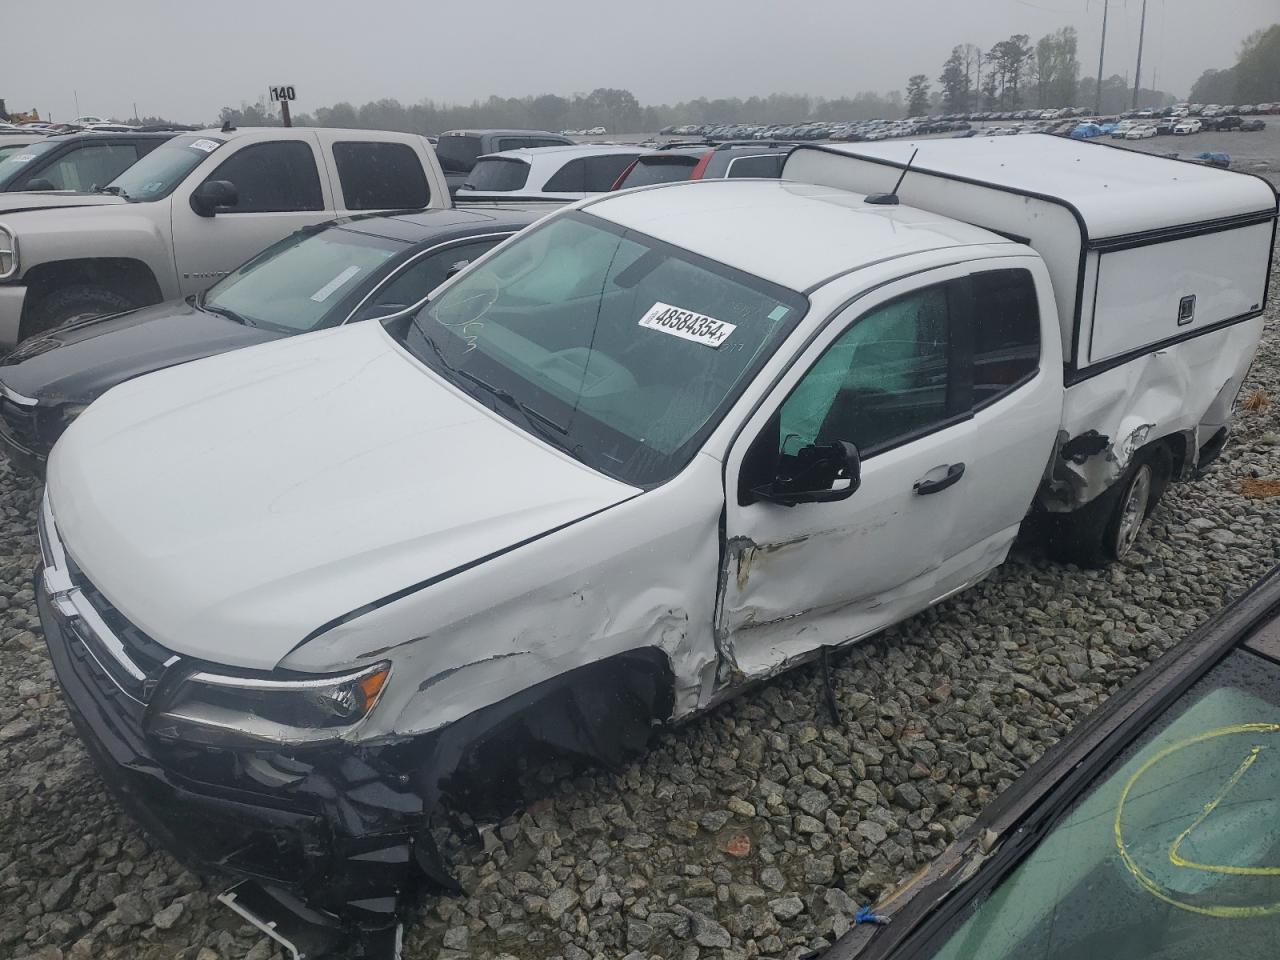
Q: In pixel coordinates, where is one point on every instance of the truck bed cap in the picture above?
(1116, 192)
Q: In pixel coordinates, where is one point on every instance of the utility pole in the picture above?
(1102, 48)
(1137, 73)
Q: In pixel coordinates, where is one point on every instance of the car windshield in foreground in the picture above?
(298, 284)
(1173, 853)
(14, 160)
(623, 350)
(157, 174)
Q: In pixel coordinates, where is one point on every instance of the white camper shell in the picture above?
(1160, 272)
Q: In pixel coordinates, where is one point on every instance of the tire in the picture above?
(1106, 529)
(76, 302)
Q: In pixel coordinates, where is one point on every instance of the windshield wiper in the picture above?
(540, 423)
(114, 191)
(224, 312)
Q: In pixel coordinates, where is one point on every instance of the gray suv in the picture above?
(458, 150)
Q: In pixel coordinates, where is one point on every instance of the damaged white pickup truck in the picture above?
(302, 596)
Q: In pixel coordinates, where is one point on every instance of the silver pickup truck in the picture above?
(190, 212)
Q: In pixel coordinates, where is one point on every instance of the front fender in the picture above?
(134, 231)
(639, 575)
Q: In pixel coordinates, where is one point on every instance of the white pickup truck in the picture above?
(190, 212)
(660, 445)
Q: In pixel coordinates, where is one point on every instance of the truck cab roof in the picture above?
(823, 232)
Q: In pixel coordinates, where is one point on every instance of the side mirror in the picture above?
(212, 195)
(456, 268)
(818, 473)
(39, 183)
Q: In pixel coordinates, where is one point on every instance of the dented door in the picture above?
(818, 574)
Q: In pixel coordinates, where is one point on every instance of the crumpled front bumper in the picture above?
(334, 829)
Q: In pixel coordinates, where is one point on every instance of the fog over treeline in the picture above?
(1009, 74)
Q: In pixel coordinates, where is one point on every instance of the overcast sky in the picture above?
(184, 61)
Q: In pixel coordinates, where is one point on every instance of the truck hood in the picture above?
(81, 361)
(230, 507)
(41, 200)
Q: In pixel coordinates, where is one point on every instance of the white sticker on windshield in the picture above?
(22, 157)
(323, 294)
(208, 146)
(687, 325)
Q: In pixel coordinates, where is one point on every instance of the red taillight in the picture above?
(701, 168)
(617, 184)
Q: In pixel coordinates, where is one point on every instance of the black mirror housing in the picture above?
(819, 473)
(39, 183)
(213, 195)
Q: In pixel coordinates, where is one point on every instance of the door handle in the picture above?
(926, 487)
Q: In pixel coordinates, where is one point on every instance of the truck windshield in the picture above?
(621, 349)
(16, 161)
(157, 174)
(1174, 853)
(300, 283)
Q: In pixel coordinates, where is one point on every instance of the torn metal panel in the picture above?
(642, 575)
(1185, 391)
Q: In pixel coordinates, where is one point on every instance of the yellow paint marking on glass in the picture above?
(1154, 888)
(1179, 861)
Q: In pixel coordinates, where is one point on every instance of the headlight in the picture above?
(8, 253)
(227, 710)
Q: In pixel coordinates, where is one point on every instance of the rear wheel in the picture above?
(1106, 529)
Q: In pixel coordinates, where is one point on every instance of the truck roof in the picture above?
(795, 234)
(1115, 191)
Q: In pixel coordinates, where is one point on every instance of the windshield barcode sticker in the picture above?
(325, 292)
(687, 325)
(207, 146)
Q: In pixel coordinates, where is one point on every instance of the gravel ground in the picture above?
(754, 831)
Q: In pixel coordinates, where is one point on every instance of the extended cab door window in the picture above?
(1006, 331)
(381, 176)
(272, 178)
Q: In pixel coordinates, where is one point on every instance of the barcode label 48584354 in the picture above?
(687, 325)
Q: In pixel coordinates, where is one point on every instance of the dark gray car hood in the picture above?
(81, 361)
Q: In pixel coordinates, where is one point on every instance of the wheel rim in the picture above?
(1134, 510)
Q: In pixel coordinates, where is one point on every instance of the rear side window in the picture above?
(545, 142)
(458, 154)
(1006, 332)
(766, 165)
(273, 177)
(571, 178)
(498, 174)
(380, 176)
(603, 172)
(651, 170)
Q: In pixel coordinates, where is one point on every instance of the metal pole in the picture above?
(1102, 47)
(1137, 73)
(284, 113)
